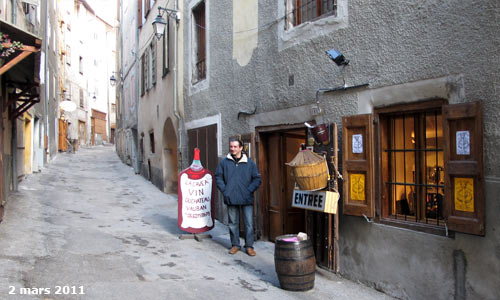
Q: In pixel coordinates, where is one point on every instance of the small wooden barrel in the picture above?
(295, 263)
(311, 177)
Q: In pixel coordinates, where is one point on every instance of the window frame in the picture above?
(197, 40)
(291, 9)
(381, 201)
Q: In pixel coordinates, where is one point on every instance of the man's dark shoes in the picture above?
(233, 250)
(251, 252)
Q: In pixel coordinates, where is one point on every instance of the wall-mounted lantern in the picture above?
(159, 23)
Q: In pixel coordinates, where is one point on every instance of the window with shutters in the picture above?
(152, 141)
(301, 11)
(144, 72)
(419, 167)
(412, 164)
(152, 64)
(82, 100)
(80, 65)
(165, 52)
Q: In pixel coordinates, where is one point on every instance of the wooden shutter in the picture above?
(357, 165)
(464, 179)
(139, 13)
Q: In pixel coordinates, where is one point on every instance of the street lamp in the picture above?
(112, 80)
(159, 23)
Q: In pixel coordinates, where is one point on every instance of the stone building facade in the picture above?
(258, 69)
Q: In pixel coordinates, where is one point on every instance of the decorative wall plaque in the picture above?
(357, 143)
(464, 194)
(463, 143)
(357, 186)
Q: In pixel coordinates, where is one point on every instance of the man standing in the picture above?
(237, 178)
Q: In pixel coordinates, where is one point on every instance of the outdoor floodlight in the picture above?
(337, 57)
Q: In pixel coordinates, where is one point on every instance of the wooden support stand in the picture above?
(196, 237)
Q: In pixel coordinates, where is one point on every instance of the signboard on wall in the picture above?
(323, 201)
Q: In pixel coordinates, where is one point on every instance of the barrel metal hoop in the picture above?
(294, 275)
(294, 259)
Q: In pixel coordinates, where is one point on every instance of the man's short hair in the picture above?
(234, 139)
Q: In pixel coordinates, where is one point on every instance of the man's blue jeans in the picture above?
(234, 224)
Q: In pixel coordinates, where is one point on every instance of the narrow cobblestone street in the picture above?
(91, 227)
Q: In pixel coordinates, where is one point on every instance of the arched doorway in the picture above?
(169, 158)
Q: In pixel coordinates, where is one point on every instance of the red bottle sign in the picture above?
(195, 191)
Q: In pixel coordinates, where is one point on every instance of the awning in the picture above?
(21, 70)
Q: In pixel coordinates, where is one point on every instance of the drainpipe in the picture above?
(176, 112)
(46, 98)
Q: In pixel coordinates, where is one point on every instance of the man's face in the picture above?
(235, 149)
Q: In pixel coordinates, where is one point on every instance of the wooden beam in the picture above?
(15, 61)
(24, 48)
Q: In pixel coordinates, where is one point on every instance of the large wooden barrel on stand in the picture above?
(295, 263)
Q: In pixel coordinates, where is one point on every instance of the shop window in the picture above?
(199, 43)
(413, 166)
(301, 11)
(419, 167)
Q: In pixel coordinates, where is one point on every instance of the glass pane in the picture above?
(434, 172)
(397, 133)
(409, 132)
(404, 132)
(433, 130)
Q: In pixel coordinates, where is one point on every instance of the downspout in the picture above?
(176, 112)
(46, 98)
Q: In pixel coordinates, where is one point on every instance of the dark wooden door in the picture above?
(294, 217)
(283, 218)
(275, 187)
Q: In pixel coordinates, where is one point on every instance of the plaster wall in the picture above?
(406, 52)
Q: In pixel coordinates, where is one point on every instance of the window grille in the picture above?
(415, 167)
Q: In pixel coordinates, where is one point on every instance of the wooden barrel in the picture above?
(295, 263)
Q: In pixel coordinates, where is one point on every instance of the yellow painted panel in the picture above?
(464, 194)
(357, 184)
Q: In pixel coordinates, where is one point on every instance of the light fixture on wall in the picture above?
(337, 57)
(113, 80)
(159, 23)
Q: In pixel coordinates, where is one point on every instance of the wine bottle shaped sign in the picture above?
(196, 192)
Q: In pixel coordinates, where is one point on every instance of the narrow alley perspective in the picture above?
(87, 227)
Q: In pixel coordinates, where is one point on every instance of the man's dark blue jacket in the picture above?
(237, 180)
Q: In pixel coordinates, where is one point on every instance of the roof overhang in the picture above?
(21, 70)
